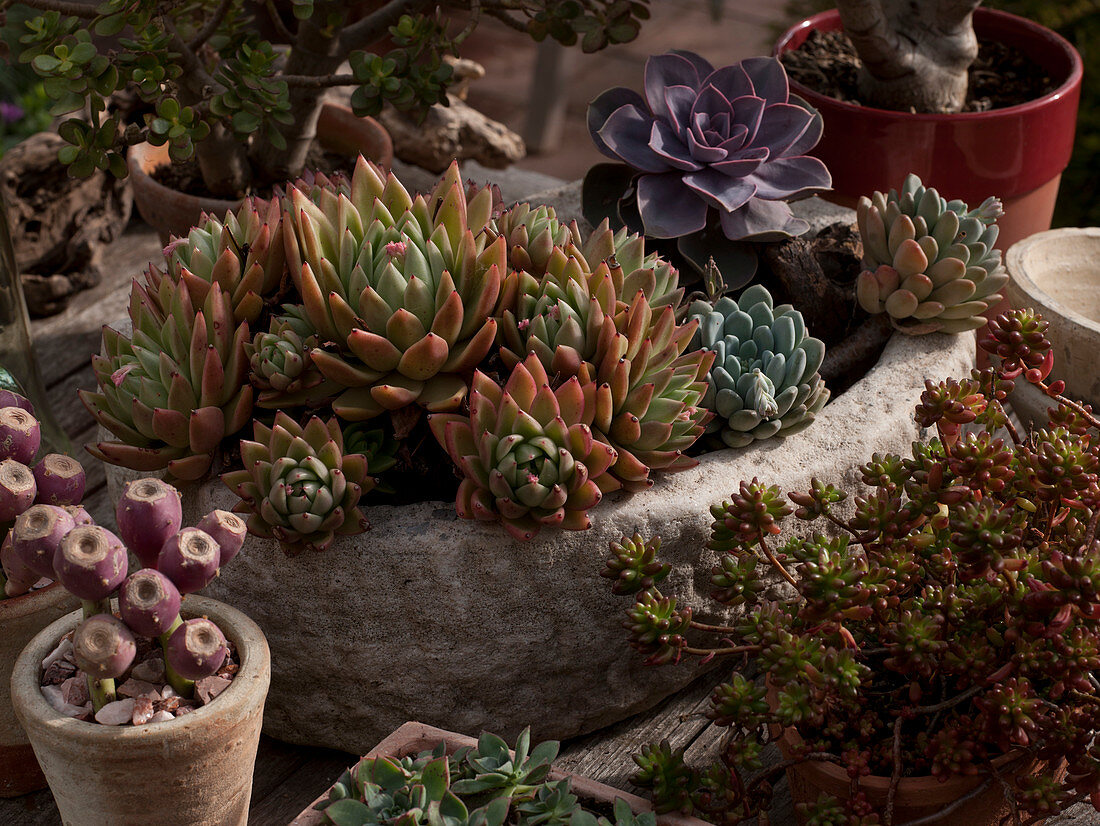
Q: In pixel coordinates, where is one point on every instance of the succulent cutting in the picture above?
(930, 263)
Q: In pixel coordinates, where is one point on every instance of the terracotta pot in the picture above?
(196, 769)
(413, 738)
(1016, 153)
(20, 619)
(174, 213)
(1056, 272)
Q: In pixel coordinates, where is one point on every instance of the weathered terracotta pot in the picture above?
(174, 213)
(1016, 153)
(20, 619)
(916, 797)
(196, 769)
(413, 738)
(1058, 273)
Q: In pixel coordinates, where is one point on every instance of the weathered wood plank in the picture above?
(293, 777)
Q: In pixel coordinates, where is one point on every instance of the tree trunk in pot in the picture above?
(915, 55)
(195, 769)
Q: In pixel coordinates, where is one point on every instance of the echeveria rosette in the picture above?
(401, 291)
(765, 380)
(298, 486)
(179, 386)
(281, 364)
(532, 233)
(631, 267)
(527, 457)
(705, 143)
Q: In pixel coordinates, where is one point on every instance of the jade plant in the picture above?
(948, 624)
(484, 785)
(708, 157)
(222, 91)
(930, 263)
(40, 491)
(354, 329)
(93, 564)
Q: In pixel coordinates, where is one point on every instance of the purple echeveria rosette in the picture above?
(728, 139)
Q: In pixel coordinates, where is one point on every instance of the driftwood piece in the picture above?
(449, 132)
(58, 223)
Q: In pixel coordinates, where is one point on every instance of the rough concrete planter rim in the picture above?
(19, 771)
(237, 710)
(1073, 335)
(412, 738)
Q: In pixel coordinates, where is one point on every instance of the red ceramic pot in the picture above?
(1016, 153)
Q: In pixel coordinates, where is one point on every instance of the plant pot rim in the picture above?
(245, 634)
(830, 20)
(412, 738)
(1015, 262)
(14, 607)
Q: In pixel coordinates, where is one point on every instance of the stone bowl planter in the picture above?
(20, 619)
(1058, 273)
(413, 738)
(450, 621)
(191, 771)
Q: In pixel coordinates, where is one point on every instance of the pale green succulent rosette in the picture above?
(930, 263)
(632, 269)
(401, 292)
(532, 234)
(765, 380)
(281, 364)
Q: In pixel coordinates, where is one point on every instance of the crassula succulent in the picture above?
(298, 486)
(765, 380)
(930, 263)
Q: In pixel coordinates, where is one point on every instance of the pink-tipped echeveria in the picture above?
(527, 457)
(298, 486)
(179, 386)
(400, 290)
(729, 143)
(930, 263)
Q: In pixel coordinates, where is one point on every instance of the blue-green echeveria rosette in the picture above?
(765, 380)
(729, 140)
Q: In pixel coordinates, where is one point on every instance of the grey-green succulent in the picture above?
(764, 381)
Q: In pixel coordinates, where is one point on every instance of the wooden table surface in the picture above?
(289, 777)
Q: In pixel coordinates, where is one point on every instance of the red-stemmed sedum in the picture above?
(950, 626)
(527, 457)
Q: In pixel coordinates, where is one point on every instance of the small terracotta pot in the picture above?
(196, 769)
(171, 212)
(1016, 153)
(20, 619)
(413, 738)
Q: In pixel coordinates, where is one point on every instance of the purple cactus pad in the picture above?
(228, 530)
(79, 515)
(17, 489)
(19, 577)
(196, 649)
(103, 647)
(20, 435)
(149, 602)
(37, 534)
(10, 399)
(60, 480)
(190, 559)
(91, 562)
(147, 514)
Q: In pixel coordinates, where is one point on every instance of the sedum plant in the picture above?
(709, 157)
(224, 93)
(484, 785)
(765, 380)
(950, 626)
(930, 263)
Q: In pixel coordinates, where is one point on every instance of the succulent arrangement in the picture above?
(950, 626)
(930, 263)
(218, 89)
(486, 785)
(549, 368)
(48, 488)
(93, 564)
(708, 157)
